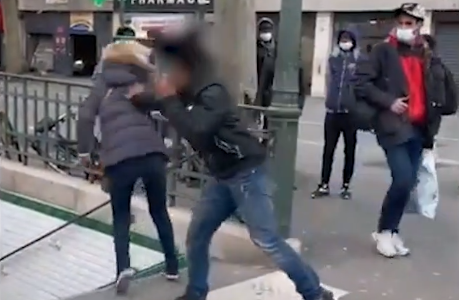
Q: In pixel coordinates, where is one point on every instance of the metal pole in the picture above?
(283, 114)
(121, 12)
(286, 87)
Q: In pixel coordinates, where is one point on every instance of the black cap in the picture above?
(125, 31)
(411, 9)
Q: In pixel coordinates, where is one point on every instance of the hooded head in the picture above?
(188, 61)
(265, 28)
(126, 63)
(347, 41)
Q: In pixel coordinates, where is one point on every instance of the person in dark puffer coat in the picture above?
(131, 149)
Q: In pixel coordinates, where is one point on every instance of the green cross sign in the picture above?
(99, 3)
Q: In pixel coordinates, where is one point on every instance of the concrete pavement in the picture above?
(336, 234)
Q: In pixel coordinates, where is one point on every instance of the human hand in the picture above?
(399, 106)
(85, 159)
(135, 89)
(164, 87)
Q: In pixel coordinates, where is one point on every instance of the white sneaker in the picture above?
(399, 245)
(384, 244)
(123, 281)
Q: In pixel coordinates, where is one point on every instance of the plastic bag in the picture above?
(426, 192)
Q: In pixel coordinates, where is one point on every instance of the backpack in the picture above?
(451, 94)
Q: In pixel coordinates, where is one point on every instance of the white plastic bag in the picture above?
(427, 196)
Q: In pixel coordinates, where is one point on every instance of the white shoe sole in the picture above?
(374, 235)
(172, 277)
(403, 253)
(122, 285)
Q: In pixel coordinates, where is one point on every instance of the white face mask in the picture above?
(405, 34)
(346, 46)
(266, 36)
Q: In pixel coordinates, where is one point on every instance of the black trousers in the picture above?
(152, 170)
(336, 124)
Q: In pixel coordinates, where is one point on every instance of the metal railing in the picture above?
(38, 128)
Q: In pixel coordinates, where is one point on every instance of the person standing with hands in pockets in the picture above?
(338, 120)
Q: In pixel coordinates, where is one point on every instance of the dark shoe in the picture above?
(171, 271)
(191, 297)
(123, 281)
(322, 190)
(326, 295)
(346, 193)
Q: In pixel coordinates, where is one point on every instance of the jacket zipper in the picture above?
(341, 84)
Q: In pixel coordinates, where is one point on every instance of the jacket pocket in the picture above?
(389, 123)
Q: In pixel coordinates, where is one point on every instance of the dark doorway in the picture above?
(84, 54)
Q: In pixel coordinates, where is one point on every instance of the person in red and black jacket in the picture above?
(402, 81)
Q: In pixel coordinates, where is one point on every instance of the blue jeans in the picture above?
(123, 176)
(249, 193)
(403, 161)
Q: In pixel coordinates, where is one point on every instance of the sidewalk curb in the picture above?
(231, 243)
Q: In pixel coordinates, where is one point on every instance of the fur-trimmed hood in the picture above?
(124, 64)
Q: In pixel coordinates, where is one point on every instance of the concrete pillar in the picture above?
(322, 47)
(234, 38)
(428, 23)
(115, 22)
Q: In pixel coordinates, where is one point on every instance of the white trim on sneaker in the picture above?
(400, 245)
(123, 281)
(384, 243)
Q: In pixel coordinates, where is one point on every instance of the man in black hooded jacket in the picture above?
(202, 111)
(266, 58)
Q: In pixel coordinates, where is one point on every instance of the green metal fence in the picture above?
(38, 128)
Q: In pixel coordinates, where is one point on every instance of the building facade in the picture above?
(373, 27)
(60, 32)
(55, 26)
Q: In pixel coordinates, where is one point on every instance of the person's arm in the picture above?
(87, 113)
(329, 73)
(203, 120)
(301, 89)
(265, 83)
(146, 101)
(368, 71)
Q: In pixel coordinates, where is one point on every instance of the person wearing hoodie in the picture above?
(201, 110)
(403, 81)
(338, 120)
(131, 149)
(266, 58)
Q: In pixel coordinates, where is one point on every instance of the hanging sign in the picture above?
(166, 5)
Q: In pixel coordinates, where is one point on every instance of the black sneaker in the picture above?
(123, 281)
(322, 190)
(346, 192)
(171, 272)
(326, 295)
(187, 296)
